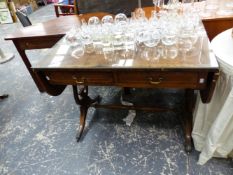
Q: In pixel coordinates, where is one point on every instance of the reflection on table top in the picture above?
(222, 46)
(55, 27)
(63, 56)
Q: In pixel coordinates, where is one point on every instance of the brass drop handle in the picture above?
(81, 81)
(155, 82)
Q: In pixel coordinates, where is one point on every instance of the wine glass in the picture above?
(70, 37)
(74, 39)
(118, 31)
(187, 38)
(151, 38)
(93, 21)
(169, 40)
(158, 4)
(96, 33)
(107, 19)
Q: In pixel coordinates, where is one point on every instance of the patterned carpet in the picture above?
(37, 131)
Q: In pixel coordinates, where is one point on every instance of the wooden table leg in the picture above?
(3, 96)
(188, 117)
(81, 98)
(28, 65)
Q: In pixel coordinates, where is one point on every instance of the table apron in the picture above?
(37, 43)
(137, 79)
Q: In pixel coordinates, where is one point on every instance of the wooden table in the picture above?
(40, 36)
(45, 35)
(198, 71)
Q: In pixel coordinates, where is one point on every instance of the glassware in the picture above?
(96, 33)
(93, 21)
(186, 39)
(152, 38)
(118, 31)
(109, 54)
(121, 18)
(74, 39)
(169, 40)
(107, 19)
(71, 37)
(78, 52)
(173, 5)
(158, 4)
(87, 41)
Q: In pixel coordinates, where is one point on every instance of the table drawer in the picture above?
(158, 79)
(82, 77)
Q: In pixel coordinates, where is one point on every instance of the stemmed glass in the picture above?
(107, 34)
(95, 27)
(158, 4)
(151, 41)
(74, 39)
(119, 29)
(169, 39)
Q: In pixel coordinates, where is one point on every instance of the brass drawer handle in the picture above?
(82, 81)
(155, 82)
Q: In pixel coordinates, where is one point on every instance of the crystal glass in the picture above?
(109, 53)
(74, 39)
(78, 52)
(93, 21)
(187, 38)
(118, 31)
(107, 19)
(87, 41)
(169, 40)
(71, 37)
(151, 38)
(95, 33)
(158, 4)
(121, 18)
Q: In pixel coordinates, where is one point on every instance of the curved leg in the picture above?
(3, 96)
(189, 106)
(83, 114)
(81, 98)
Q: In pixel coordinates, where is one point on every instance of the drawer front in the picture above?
(158, 79)
(43, 42)
(88, 78)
